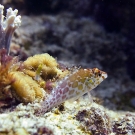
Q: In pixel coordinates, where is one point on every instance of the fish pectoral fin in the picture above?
(90, 97)
(71, 100)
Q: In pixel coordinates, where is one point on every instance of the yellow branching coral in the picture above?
(49, 67)
(46, 59)
(25, 88)
(20, 78)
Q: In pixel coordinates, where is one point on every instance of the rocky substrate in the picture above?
(77, 118)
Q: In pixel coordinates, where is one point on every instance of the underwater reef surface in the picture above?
(76, 118)
(67, 38)
(61, 37)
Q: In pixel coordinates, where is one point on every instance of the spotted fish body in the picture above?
(73, 86)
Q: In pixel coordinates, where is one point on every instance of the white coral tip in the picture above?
(12, 19)
(1, 12)
(11, 12)
(1, 9)
(17, 21)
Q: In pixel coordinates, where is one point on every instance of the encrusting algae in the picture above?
(40, 78)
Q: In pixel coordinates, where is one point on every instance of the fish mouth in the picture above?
(104, 75)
